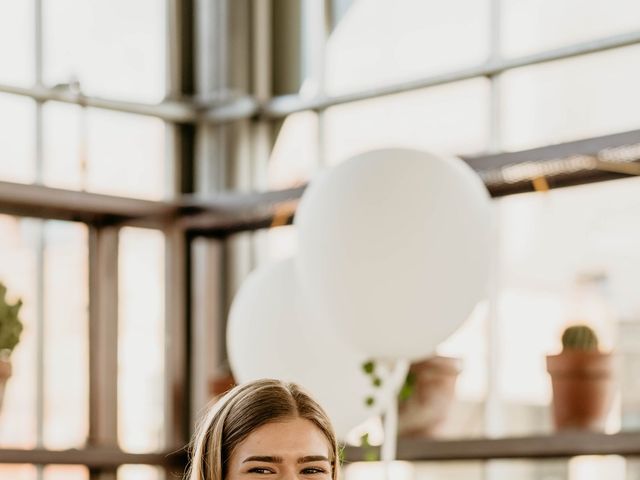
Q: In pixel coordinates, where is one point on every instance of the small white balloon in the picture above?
(394, 249)
(271, 334)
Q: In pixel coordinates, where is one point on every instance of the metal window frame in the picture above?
(41, 240)
(104, 216)
(219, 214)
(103, 343)
(210, 135)
(235, 104)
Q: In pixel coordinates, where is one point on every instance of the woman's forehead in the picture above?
(290, 439)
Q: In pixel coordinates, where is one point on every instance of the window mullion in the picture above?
(492, 411)
(40, 239)
(103, 342)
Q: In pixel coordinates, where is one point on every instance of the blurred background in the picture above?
(152, 153)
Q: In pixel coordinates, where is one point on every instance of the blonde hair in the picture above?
(242, 410)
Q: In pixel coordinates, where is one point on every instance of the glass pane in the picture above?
(141, 340)
(415, 471)
(465, 415)
(139, 472)
(66, 335)
(571, 99)
(18, 472)
(451, 119)
(568, 256)
(103, 151)
(62, 165)
(18, 270)
(545, 24)
(384, 42)
(17, 139)
(126, 154)
(65, 472)
(633, 468)
(16, 42)
(529, 470)
(577, 468)
(115, 48)
(294, 157)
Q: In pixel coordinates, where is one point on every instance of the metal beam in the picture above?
(103, 343)
(177, 342)
(572, 163)
(226, 214)
(287, 104)
(93, 457)
(233, 106)
(181, 154)
(214, 149)
(179, 111)
(54, 203)
(561, 445)
(219, 214)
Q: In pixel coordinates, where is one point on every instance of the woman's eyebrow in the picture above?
(313, 458)
(263, 458)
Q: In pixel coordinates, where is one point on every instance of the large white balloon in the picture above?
(271, 334)
(394, 248)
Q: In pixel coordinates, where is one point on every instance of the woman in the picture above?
(265, 429)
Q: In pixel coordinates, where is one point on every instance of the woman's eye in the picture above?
(261, 470)
(313, 470)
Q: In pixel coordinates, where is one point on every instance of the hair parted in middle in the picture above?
(242, 410)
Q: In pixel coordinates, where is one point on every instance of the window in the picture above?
(114, 49)
(141, 336)
(375, 43)
(64, 270)
(113, 113)
(16, 43)
(582, 97)
(451, 119)
(17, 138)
(529, 27)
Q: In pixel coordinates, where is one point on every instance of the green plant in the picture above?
(369, 452)
(369, 369)
(581, 338)
(10, 324)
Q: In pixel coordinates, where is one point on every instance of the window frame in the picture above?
(206, 221)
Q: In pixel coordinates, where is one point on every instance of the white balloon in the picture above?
(271, 334)
(394, 248)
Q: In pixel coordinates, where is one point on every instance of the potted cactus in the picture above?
(10, 330)
(582, 379)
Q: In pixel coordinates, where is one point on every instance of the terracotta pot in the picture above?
(221, 384)
(583, 388)
(425, 411)
(5, 373)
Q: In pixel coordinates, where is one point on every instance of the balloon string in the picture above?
(398, 371)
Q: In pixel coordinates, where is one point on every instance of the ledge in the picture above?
(58, 204)
(96, 458)
(226, 213)
(563, 445)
